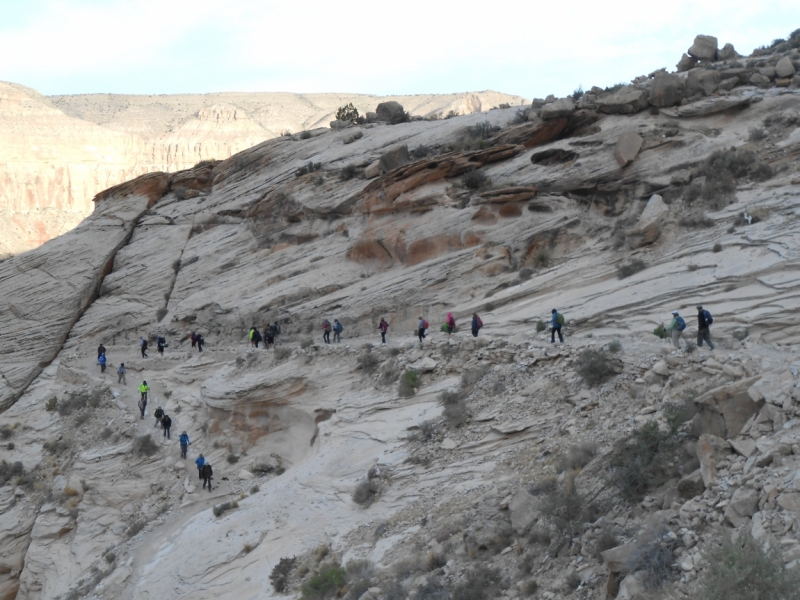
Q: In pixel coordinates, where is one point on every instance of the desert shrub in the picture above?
(75, 401)
(474, 179)
(529, 587)
(348, 112)
(540, 326)
(723, 169)
(474, 375)
(564, 508)
(51, 405)
(661, 332)
(110, 557)
(595, 366)
(254, 490)
(348, 172)
(421, 151)
(57, 446)
(525, 274)
(307, 168)
(10, 446)
(426, 431)
(368, 361)
(481, 584)
(520, 117)
(144, 445)
(306, 343)
(690, 347)
(614, 347)
(629, 269)
(744, 570)
(409, 380)
(232, 458)
(455, 408)
(540, 537)
(678, 413)
(605, 541)
(364, 493)
(542, 258)
(9, 471)
(399, 117)
(135, 528)
(326, 584)
(281, 572)
(577, 457)
(757, 134)
(573, 581)
(578, 93)
(221, 509)
(282, 354)
(642, 461)
(717, 247)
(6, 431)
(740, 334)
(389, 372)
(653, 561)
(305, 134)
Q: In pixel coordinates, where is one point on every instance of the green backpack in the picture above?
(560, 319)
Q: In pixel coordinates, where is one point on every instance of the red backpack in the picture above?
(425, 325)
(480, 323)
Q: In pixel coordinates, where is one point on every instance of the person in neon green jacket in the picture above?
(143, 389)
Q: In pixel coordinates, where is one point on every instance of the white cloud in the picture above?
(524, 47)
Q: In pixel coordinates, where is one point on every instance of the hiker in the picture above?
(269, 336)
(194, 340)
(337, 331)
(143, 346)
(476, 324)
(276, 330)
(121, 370)
(102, 361)
(451, 323)
(676, 327)
(200, 342)
(143, 389)
(159, 414)
(704, 321)
(200, 461)
(422, 325)
(184, 441)
(257, 336)
(252, 337)
(100, 350)
(166, 423)
(206, 475)
(556, 322)
(383, 326)
(161, 343)
(326, 329)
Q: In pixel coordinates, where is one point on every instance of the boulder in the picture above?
(627, 100)
(616, 558)
(759, 79)
(701, 81)
(627, 148)
(371, 117)
(562, 107)
(728, 52)
(768, 71)
(353, 136)
(667, 90)
(726, 85)
(390, 112)
(724, 411)
(785, 68)
(336, 124)
(394, 159)
(742, 506)
(710, 449)
(704, 48)
(685, 63)
(648, 228)
(744, 446)
(790, 501)
(524, 511)
(692, 485)
(373, 170)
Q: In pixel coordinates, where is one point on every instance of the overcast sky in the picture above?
(528, 47)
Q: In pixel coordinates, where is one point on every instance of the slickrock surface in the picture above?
(57, 152)
(457, 477)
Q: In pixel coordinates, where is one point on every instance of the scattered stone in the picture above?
(336, 124)
(524, 511)
(563, 107)
(728, 52)
(701, 81)
(785, 68)
(448, 444)
(627, 100)
(627, 148)
(742, 506)
(390, 112)
(394, 159)
(667, 90)
(648, 228)
(704, 48)
(692, 485)
(353, 136)
(373, 170)
(686, 63)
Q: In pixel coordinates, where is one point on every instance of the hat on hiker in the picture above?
(699, 307)
(553, 311)
(674, 312)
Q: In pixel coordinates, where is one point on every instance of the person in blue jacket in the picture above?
(184, 440)
(200, 462)
(555, 324)
(102, 361)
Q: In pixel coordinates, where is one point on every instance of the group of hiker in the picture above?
(269, 337)
(678, 325)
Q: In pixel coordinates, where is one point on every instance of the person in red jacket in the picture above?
(451, 323)
(383, 326)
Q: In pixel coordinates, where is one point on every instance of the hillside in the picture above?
(57, 152)
(459, 468)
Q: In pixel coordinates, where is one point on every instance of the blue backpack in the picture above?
(338, 328)
(707, 316)
(680, 323)
(184, 439)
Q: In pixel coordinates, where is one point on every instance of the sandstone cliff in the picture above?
(57, 153)
(499, 466)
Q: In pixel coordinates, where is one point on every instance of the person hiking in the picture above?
(422, 325)
(166, 423)
(194, 340)
(556, 322)
(161, 343)
(383, 326)
(102, 361)
(276, 330)
(200, 342)
(143, 389)
(337, 331)
(101, 350)
(184, 441)
(451, 323)
(143, 346)
(676, 327)
(251, 335)
(476, 324)
(269, 336)
(257, 338)
(159, 414)
(704, 321)
(326, 331)
(200, 461)
(121, 370)
(206, 474)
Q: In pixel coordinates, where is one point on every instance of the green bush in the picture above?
(144, 445)
(577, 457)
(368, 362)
(51, 405)
(542, 259)
(653, 561)
(363, 493)
(455, 408)
(540, 326)
(678, 413)
(409, 380)
(643, 461)
(661, 332)
(281, 573)
(474, 179)
(326, 584)
(564, 508)
(482, 584)
(348, 112)
(743, 570)
(595, 366)
(615, 347)
(232, 458)
(347, 173)
(717, 247)
(629, 269)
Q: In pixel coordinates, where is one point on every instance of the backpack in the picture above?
(326, 326)
(166, 421)
(158, 414)
(194, 338)
(161, 341)
(479, 322)
(144, 344)
(206, 471)
(707, 315)
(184, 439)
(680, 323)
(426, 325)
(338, 328)
(560, 319)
